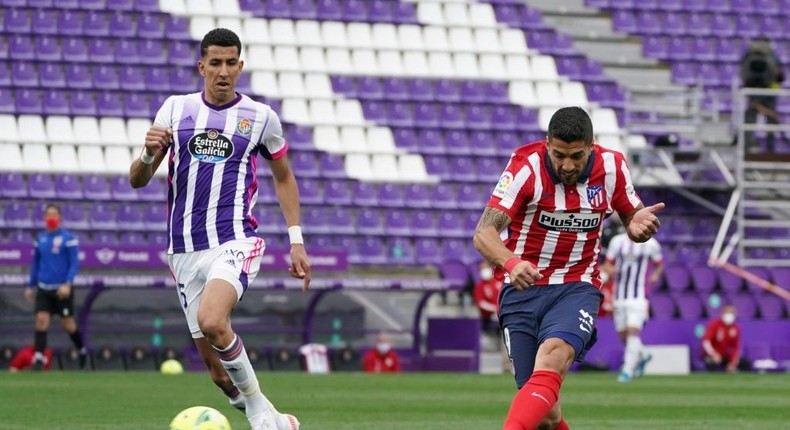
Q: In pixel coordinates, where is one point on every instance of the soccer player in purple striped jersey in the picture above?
(211, 140)
(629, 263)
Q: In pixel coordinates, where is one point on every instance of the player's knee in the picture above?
(212, 326)
(549, 422)
(42, 321)
(555, 354)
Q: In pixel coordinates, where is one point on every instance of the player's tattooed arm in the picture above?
(486, 238)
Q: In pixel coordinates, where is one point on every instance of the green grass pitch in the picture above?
(417, 401)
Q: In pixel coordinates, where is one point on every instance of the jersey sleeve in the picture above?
(164, 117)
(625, 199)
(656, 256)
(273, 144)
(515, 186)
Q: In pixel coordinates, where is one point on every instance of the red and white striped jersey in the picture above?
(555, 226)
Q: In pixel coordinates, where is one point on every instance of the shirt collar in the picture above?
(582, 178)
(219, 107)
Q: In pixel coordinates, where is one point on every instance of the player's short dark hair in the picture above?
(571, 124)
(219, 37)
(53, 206)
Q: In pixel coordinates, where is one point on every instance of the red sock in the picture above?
(562, 425)
(533, 401)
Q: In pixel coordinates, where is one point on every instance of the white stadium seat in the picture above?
(231, 23)
(548, 94)
(440, 64)
(286, 58)
(282, 33)
(12, 157)
(544, 67)
(435, 39)
(380, 140)
(199, 7)
(456, 14)
(482, 15)
(295, 111)
(265, 83)
(313, 60)
(410, 37)
(200, 25)
(259, 57)
(59, 129)
(35, 158)
(359, 35)
(113, 131)
(466, 65)
(411, 167)
(635, 141)
(10, 131)
(518, 67)
(308, 33)
(385, 167)
(610, 141)
(430, 13)
(64, 158)
(487, 40)
(349, 112)
(31, 128)
(461, 39)
(291, 85)
(256, 31)
(358, 167)
(136, 129)
(334, 34)
(119, 159)
(385, 36)
(415, 64)
(87, 128)
(339, 61)
(353, 140)
(322, 112)
(91, 159)
(175, 7)
(364, 62)
(523, 93)
(327, 138)
(492, 66)
(604, 121)
(573, 94)
(513, 41)
(318, 85)
(225, 8)
(391, 63)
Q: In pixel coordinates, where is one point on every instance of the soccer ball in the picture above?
(200, 418)
(171, 367)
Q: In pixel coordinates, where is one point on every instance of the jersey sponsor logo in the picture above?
(210, 147)
(572, 222)
(244, 126)
(504, 182)
(596, 195)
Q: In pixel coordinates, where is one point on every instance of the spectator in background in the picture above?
(761, 68)
(722, 343)
(55, 264)
(382, 358)
(23, 359)
(629, 263)
(486, 295)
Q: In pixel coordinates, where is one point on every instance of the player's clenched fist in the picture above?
(522, 273)
(157, 138)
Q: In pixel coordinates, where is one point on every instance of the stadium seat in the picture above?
(141, 359)
(108, 358)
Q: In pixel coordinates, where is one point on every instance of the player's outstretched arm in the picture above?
(157, 140)
(489, 245)
(288, 196)
(642, 223)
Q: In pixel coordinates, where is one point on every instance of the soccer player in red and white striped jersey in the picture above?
(541, 229)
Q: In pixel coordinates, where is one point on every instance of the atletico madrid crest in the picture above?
(596, 195)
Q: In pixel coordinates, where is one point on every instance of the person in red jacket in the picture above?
(722, 343)
(23, 359)
(381, 359)
(486, 296)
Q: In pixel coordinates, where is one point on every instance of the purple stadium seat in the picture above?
(689, 306)
(472, 91)
(656, 47)
(305, 164)
(126, 52)
(503, 117)
(447, 90)
(105, 78)
(417, 196)
(129, 217)
(758, 351)
(430, 141)
(96, 187)
(456, 142)
(21, 48)
(427, 251)
(78, 76)
(303, 9)
(13, 185)
(471, 218)
(152, 52)
(95, 24)
(310, 191)
(326, 10)
(647, 22)
(624, 21)
(437, 165)
(394, 89)
(739, 6)
(722, 25)
(121, 190)
(729, 282)
(122, 25)
(17, 215)
(423, 223)
(421, 90)
(471, 197)
(745, 305)
(488, 169)
(673, 24)
(28, 101)
(103, 238)
(398, 114)
(44, 22)
(68, 187)
(301, 138)
(155, 217)
(456, 250)
(388, 11)
(364, 194)
(781, 276)
(69, 23)
(109, 103)
(527, 120)
(462, 168)
(74, 216)
(747, 26)
(400, 251)
(347, 85)
(679, 48)
(484, 143)
(82, 103)
(426, 115)
(599, 92)
(177, 28)
(317, 220)
(118, 5)
(157, 79)
(370, 250)
(451, 115)
(41, 186)
(390, 195)
(704, 279)
(662, 307)
(332, 166)
(698, 24)
(354, 10)
(17, 21)
(451, 224)
(377, 112)
(132, 238)
(93, 4)
(7, 104)
(677, 277)
(369, 222)
(52, 75)
(370, 88)
(455, 272)
(24, 74)
(149, 26)
(703, 49)
(772, 307)
(442, 196)
(397, 223)
(341, 220)
(132, 80)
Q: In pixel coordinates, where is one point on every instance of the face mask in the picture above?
(52, 222)
(486, 273)
(383, 348)
(728, 318)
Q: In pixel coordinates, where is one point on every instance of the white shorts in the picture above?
(236, 262)
(630, 313)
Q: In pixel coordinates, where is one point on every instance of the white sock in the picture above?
(235, 360)
(633, 347)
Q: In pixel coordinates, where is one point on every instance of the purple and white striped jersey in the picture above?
(212, 186)
(632, 261)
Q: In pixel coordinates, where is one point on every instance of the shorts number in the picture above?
(182, 294)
